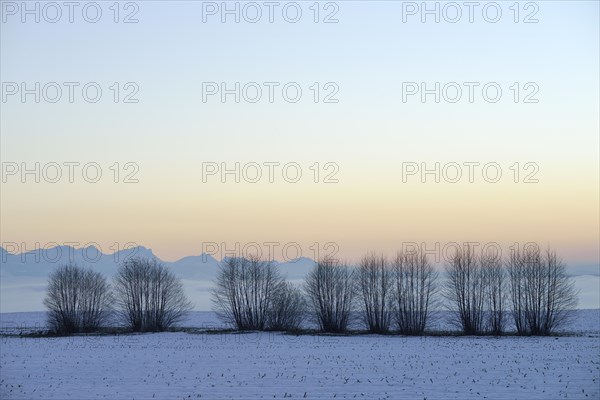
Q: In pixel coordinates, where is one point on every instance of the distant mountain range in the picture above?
(40, 262)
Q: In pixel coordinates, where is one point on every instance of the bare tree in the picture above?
(542, 293)
(150, 296)
(374, 287)
(415, 288)
(288, 308)
(330, 291)
(78, 300)
(465, 289)
(244, 291)
(517, 266)
(494, 281)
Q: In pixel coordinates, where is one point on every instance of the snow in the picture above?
(274, 365)
(181, 365)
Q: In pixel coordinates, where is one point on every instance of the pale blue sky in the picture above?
(369, 53)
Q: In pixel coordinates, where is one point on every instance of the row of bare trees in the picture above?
(251, 294)
(399, 292)
(532, 284)
(480, 290)
(147, 295)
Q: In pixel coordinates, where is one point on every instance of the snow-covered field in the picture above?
(268, 365)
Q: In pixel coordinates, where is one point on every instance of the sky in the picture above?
(369, 135)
